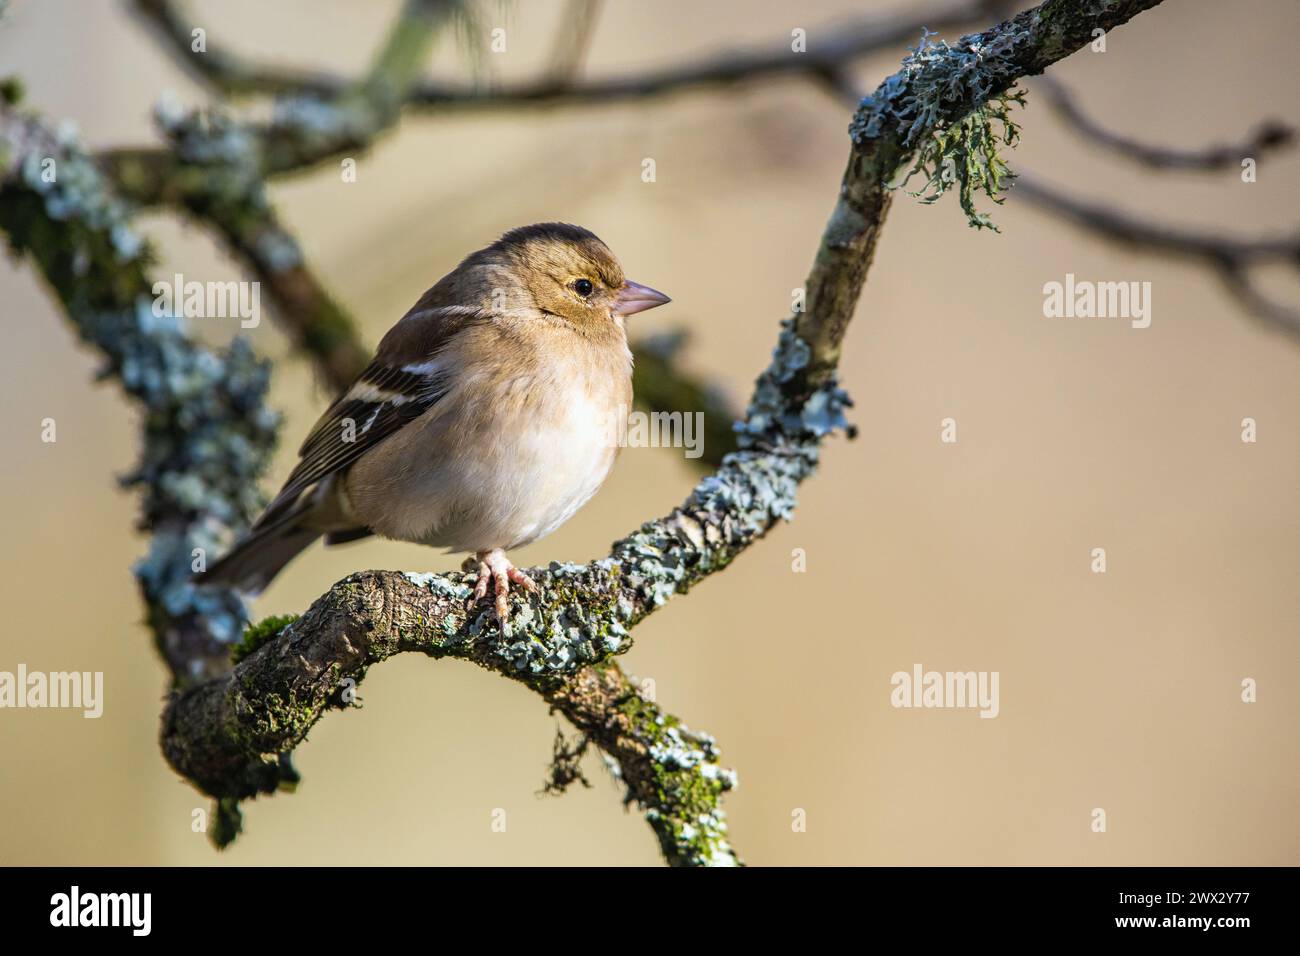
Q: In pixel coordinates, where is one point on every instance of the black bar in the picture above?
(228, 904)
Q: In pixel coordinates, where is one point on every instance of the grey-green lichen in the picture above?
(780, 443)
(440, 584)
(207, 440)
(966, 156)
(303, 129)
(216, 169)
(783, 420)
(576, 627)
(578, 620)
(210, 137)
(950, 107)
(207, 432)
(68, 183)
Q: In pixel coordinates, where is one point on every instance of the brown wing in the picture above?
(403, 382)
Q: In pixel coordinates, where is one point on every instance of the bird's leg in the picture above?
(495, 567)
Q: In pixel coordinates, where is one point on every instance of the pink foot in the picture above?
(495, 568)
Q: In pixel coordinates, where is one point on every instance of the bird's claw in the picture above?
(495, 569)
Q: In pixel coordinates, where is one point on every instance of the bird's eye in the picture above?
(583, 287)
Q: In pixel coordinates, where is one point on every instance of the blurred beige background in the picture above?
(1119, 691)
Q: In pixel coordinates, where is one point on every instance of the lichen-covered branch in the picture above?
(305, 130)
(1231, 258)
(668, 769)
(228, 735)
(232, 201)
(938, 86)
(207, 433)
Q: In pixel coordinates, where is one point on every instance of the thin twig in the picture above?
(827, 47)
(1267, 136)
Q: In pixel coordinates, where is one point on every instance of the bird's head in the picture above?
(566, 273)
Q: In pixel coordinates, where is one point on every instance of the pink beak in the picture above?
(635, 297)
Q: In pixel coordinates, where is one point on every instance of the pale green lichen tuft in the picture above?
(966, 156)
(950, 107)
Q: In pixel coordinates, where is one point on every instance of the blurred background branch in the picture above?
(1217, 157)
(1231, 258)
(238, 76)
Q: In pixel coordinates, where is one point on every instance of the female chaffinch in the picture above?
(480, 425)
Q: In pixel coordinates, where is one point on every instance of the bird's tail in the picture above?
(259, 557)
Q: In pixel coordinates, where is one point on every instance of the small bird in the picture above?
(481, 425)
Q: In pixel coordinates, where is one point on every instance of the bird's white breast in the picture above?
(553, 466)
(502, 459)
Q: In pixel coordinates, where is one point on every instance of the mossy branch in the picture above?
(230, 736)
